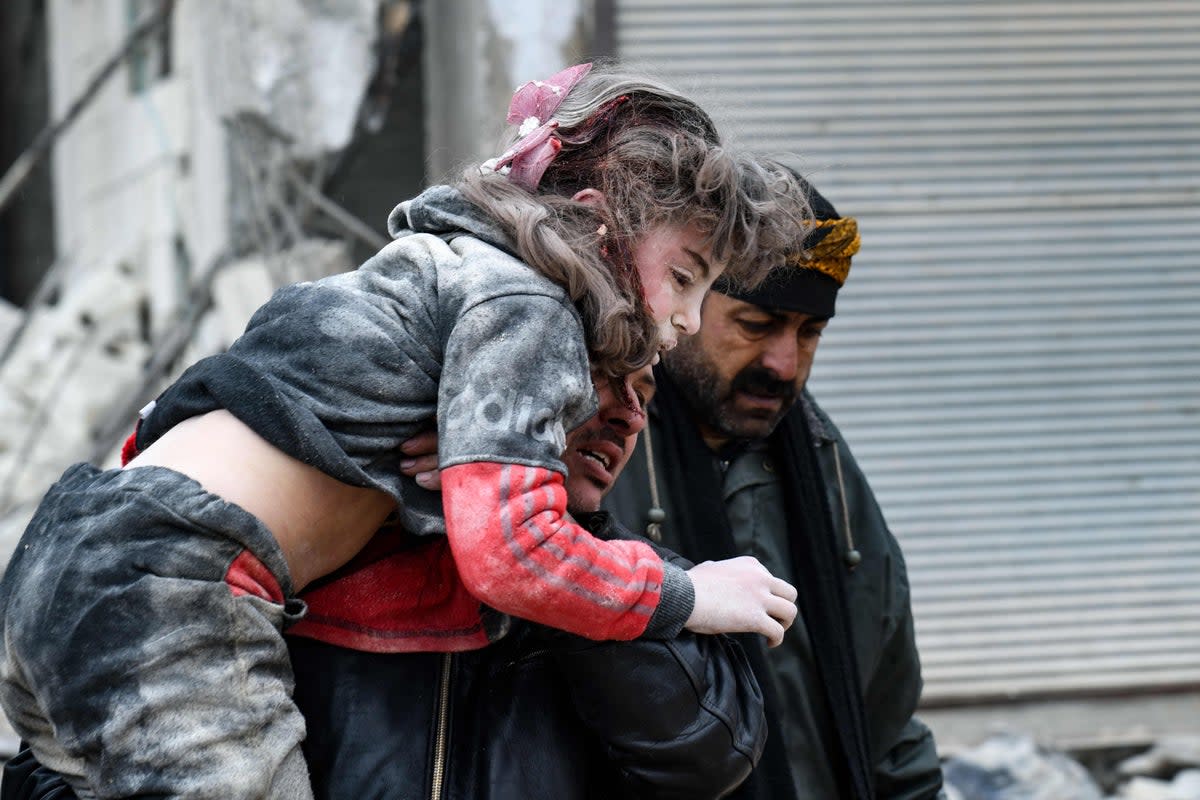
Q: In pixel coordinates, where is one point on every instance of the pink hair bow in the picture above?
(532, 106)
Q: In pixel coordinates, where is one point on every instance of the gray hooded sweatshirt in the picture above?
(445, 323)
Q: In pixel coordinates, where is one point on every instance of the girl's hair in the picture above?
(657, 158)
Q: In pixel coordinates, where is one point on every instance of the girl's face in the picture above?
(677, 268)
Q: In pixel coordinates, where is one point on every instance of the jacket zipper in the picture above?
(441, 740)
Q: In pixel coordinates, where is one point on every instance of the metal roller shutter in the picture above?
(1016, 360)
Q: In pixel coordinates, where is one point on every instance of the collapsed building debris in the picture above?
(1012, 766)
(81, 366)
(266, 92)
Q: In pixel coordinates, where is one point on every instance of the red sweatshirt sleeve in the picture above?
(517, 551)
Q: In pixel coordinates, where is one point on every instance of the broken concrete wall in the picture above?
(477, 52)
(142, 185)
(302, 64)
(144, 176)
(59, 377)
(80, 360)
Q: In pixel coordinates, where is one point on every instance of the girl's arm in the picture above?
(518, 551)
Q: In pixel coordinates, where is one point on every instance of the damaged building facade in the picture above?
(1014, 359)
(214, 151)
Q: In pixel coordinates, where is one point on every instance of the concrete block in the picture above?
(1167, 756)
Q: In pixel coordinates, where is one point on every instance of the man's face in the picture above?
(745, 368)
(598, 450)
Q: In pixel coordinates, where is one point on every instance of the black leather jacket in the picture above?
(530, 717)
(539, 714)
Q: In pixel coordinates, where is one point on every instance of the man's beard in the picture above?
(713, 401)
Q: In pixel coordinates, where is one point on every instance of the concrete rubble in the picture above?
(1168, 755)
(1185, 786)
(1170, 770)
(302, 64)
(79, 358)
(71, 361)
(1012, 766)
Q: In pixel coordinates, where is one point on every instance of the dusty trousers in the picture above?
(143, 650)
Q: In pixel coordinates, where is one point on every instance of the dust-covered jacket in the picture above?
(799, 761)
(444, 324)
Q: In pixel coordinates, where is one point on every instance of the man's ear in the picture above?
(591, 197)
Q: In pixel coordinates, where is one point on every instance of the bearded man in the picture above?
(746, 462)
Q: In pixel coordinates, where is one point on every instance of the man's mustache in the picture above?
(605, 433)
(762, 382)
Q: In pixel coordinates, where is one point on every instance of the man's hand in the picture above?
(422, 460)
(739, 595)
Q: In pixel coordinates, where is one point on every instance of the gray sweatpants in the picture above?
(143, 650)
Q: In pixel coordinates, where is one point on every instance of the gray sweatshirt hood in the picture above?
(443, 211)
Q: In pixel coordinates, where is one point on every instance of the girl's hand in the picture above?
(739, 595)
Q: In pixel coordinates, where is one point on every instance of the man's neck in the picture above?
(722, 445)
(713, 440)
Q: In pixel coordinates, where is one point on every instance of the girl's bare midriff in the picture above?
(318, 521)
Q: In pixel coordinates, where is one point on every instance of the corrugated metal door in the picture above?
(1017, 357)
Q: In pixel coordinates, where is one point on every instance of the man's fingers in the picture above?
(422, 444)
(422, 460)
(418, 464)
(430, 480)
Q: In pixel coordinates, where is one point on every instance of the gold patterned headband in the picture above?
(831, 255)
